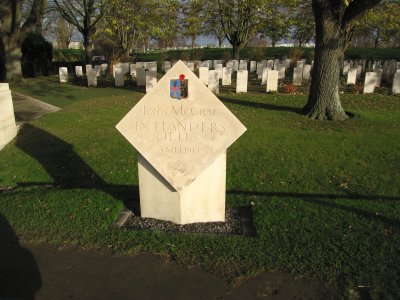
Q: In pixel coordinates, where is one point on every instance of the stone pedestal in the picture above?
(181, 131)
(201, 201)
(8, 129)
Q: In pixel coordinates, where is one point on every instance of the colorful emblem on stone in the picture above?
(179, 87)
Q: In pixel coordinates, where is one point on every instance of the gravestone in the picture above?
(97, 70)
(132, 70)
(181, 142)
(396, 83)
(270, 64)
(241, 81)
(8, 129)
(253, 66)
(226, 76)
(346, 67)
(235, 65)
(260, 68)
(190, 66)
(63, 72)
(359, 71)
(276, 64)
(204, 64)
(104, 69)
(218, 68)
(116, 66)
(91, 75)
(287, 63)
(300, 64)
(272, 81)
(243, 65)
(203, 74)
(140, 76)
(151, 80)
(379, 77)
(119, 75)
(140, 64)
(281, 71)
(213, 81)
(264, 76)
(352, 76)
(125, 68)
(78, 71)
(371, 79)
(152, 66)
(297, 75)
(306, 72)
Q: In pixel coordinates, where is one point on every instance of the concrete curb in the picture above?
(39, 103)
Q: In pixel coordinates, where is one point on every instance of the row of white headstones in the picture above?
(269, 71)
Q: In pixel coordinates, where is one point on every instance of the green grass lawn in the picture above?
(325, 196)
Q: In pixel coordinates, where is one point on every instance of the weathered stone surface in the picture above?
(119, 75)
(91, 75)
(78, 71)
(226, 76)
(264, 76)
(241, 81)
(213, 81)
(297, 75)
(140, 76)
(8, 129)
(352, 76)
(203, 74)
(396, 83)
(63, 72)
(371, 79)
(180, 138)
(272, 81)
(151, 80)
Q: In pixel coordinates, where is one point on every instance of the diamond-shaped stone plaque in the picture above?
(180, 137)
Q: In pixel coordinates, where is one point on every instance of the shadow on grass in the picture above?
(19, 273)
(261, 105)
(67, 168)
(323, 199)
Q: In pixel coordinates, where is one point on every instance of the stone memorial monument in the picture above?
(8, 129)
(181, 131)
(297, 75)
(226, 76)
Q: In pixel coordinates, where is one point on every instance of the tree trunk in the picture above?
(236, 50)
(220, 41)
(13, 55)
(273, 43)
(324, 101)
(87, 44)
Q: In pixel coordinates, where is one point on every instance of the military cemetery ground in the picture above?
(324, 196)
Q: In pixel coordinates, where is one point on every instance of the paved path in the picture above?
(39, 271)
(27, 108)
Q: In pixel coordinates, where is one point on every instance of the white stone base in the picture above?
(201, 201)
(8, 129)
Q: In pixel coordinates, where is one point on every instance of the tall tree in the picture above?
(277, 19)
(303, 25)
(84, 15)
(166, 22)
(193, 19)
(334, 20)
(240, 20)
(13, 32)
(381, 24)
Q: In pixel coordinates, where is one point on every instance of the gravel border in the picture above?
(231, 226)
